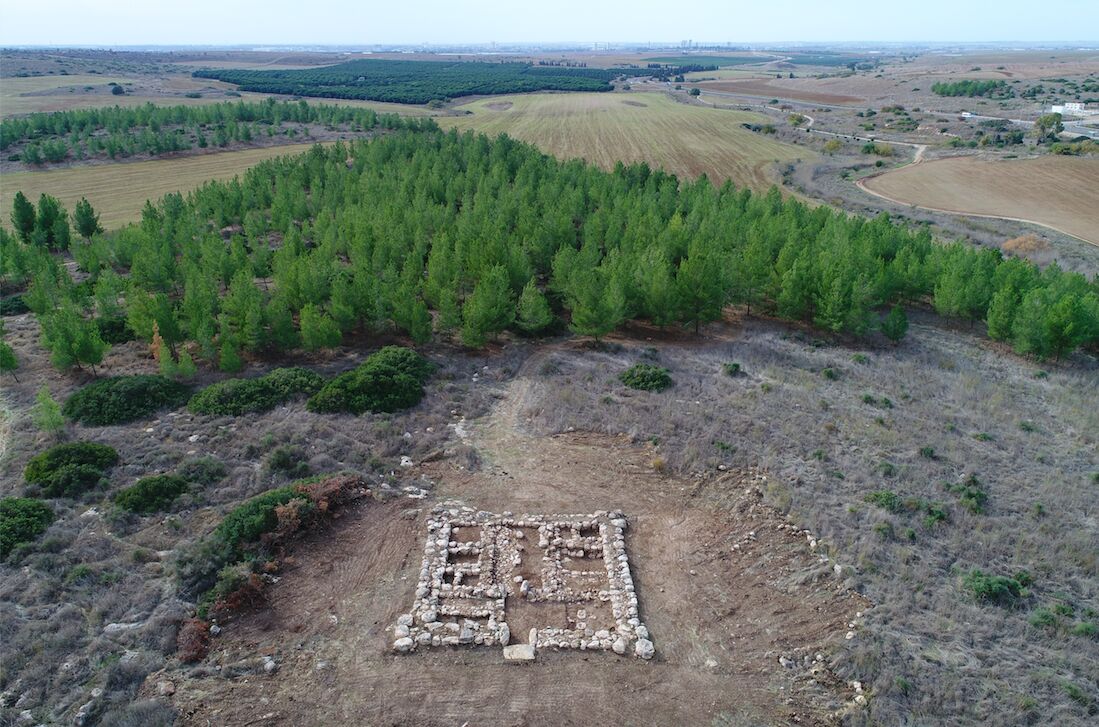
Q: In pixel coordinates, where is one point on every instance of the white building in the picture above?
(1073, 108)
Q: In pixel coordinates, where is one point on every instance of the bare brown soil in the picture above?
(720, 617)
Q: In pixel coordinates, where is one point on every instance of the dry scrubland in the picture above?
(118, 191)
(605, 128)
(814, 415)
(1055, 191)
(929, 652)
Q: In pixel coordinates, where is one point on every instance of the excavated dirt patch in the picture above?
(727, 588)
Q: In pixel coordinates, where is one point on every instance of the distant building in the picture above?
(1073, 108)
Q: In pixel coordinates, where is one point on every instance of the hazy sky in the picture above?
(137, 22)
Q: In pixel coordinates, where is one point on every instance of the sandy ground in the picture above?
(714, 612)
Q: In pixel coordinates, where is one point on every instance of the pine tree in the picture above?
(185, 368)
(229, 359)
(85, 219)
(598, 305)
(23, 217)
(51, 217)
(72, 339)
(534, 312)
(419, 322)
(1001, 314)
(46, 412)
(8, 362)
(895, 325)
(281, 333)
(489, 309)
(700, 290)
(318, 330)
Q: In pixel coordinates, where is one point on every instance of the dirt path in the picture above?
(727, 587)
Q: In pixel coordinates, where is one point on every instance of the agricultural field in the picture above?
(1055, 191)
(119, 191)
(685, 140)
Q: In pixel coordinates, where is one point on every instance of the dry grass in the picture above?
(118, 191)
(1055, 191)
(604, 128)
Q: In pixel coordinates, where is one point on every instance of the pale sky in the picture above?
(221, 22)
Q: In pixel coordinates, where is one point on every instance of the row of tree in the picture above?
(416, 82)
(991, 89)
(85, 123)
(427, 232)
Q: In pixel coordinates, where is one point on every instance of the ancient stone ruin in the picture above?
(524, 582)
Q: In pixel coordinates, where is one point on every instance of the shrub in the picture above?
(646, 377)
(388, 380)
(885, 499)
(829, 374)
(1087, 629)
(114, 329)
(732, 369)
(289, 460)
(1003, 590)
(970, 493)
(22, 519)
(202, 471)
(234, 397)
(69, 469)
(1043, 618)
(243, 526)
(13, 305)
(193, 640)
(122, 399)
(151, 494)
(72, 480)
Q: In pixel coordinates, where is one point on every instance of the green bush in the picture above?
(22, 519)
(731, 369)
(72, 480)
(389, 380)
(970, 493)
(289, 460)
(234, 397)
(203, 471)
(70, 469)
(228, 543)
(13, 305)
(114, 330)
(646, 377)
(151, 494)
(122, 399)
(1087, 629)
(885, 499)
(1043, 618)
(1003, 590)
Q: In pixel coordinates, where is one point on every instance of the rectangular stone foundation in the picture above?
(547, 581)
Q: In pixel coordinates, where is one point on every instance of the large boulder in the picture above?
(644, 648)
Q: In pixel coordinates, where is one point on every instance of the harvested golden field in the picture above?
(118, 191)
(1054, 191)
(605, 128)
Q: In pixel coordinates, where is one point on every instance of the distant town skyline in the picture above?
(348, 22)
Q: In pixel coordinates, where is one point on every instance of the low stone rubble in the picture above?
(476, 563)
